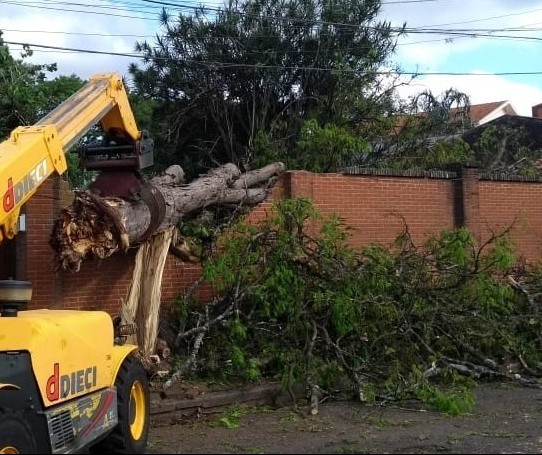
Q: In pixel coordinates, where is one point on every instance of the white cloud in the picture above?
(429, 51)
(472, 55)
(75, 30)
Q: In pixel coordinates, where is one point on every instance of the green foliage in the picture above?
(232, 417)
(55, 91)
(325, 149)
(306, 307)
(458, 401)
(318, 148)
(437, 155)
(422, 137)
(447, 391)
(506, 148)
(229, 83)
(25, 94)
(78, 176)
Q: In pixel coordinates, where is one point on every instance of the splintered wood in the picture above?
(88, 227)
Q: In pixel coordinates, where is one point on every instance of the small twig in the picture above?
(353, 374)
(315, 392)
(208, 324)
(528, 368)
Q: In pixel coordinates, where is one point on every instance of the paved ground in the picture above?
(506, 419)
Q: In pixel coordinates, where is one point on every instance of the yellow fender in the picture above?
(117, 357)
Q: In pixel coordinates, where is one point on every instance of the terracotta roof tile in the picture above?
(478, 111)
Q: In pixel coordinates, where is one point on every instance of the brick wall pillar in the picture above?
(470, 200)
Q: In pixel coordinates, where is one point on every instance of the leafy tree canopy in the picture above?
(252, 72)
(426, 135)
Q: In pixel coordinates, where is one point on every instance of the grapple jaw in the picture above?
(116, 151)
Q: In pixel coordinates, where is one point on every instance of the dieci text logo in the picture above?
(62, 386)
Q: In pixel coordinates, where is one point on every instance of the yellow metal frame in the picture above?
(33, 153)
(72, 352)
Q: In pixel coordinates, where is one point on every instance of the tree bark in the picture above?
(100, 226)
(95, 225)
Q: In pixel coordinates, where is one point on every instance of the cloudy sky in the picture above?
(489, 49)
(488, 40)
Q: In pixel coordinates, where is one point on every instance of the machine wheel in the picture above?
(133, 396)
(15, 436)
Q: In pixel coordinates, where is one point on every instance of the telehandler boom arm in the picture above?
(33, 153)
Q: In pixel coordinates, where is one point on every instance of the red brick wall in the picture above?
(373, 206)
(519, 203)
(37, 254)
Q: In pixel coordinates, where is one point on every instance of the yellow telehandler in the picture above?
(68, 380)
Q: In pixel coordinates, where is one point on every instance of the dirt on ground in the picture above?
(506, 419)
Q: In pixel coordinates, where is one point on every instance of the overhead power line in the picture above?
(77, 50)
(56, 32)
(454, 33)
(215, 64)
(459, 34)
(99, 13)
(159, 4)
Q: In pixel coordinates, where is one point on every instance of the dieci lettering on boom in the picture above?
(16, 193)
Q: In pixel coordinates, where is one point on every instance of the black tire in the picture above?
(133, 403)
(15, 435)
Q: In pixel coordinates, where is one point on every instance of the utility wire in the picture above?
(214, 64)
(124, 16)
(419, 29)
(104, 35)
(455, 33)
(502, 16)
(77, 50)
(466, 33)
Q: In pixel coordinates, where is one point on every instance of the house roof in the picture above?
(481, 113)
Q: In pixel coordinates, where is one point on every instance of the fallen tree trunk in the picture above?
(98, 226)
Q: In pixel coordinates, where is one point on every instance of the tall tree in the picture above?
(236, 81)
